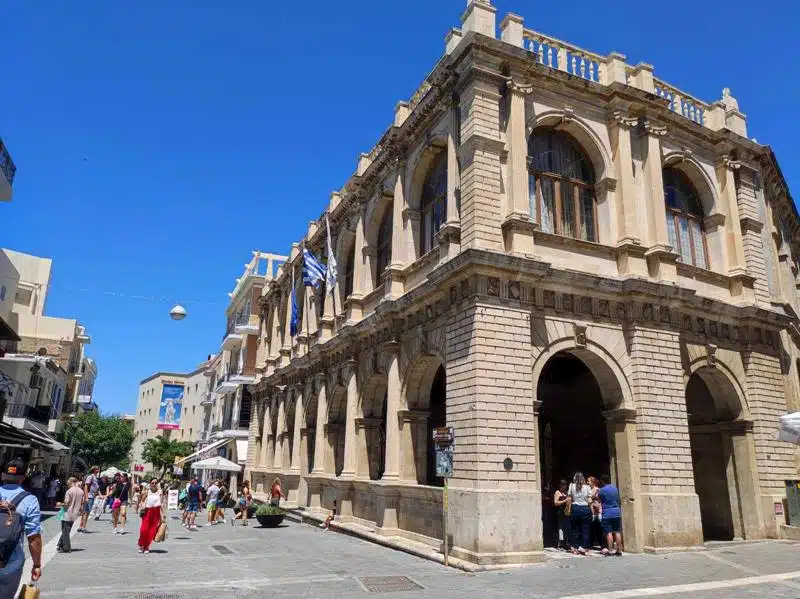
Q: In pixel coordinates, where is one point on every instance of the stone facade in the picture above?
(472, 295)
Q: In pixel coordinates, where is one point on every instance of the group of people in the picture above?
(588, 508)
(217, 497)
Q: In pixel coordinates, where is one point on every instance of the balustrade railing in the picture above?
(39, 414)
(564, 56)
(682, 103)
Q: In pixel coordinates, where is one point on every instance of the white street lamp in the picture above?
(178, 312)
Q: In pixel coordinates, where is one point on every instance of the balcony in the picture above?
(231, 340)
(40, 414)
(75, 369)
(230, 380)
(229, 430)
(7, 172)
(208, 399)
(248, 326)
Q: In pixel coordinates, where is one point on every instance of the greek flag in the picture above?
(313, 270)
(330, 274)
(294, 323)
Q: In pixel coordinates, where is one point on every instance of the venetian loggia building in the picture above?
(574, 264)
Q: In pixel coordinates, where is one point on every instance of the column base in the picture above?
(672, 522)
(518, 230)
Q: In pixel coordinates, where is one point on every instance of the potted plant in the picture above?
(270, 516)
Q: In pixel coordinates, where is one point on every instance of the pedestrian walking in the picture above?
(212, 495)
(91, 487)
(561, 502)
(101, 499)
(38, 482)
(276, 492)
(72, 505)
(151, 518)
(222, 499)
(193, 499)
(22, 513)
(243, 502)
(52, 490)
(581, 517)
(612, 516)
(119, 506)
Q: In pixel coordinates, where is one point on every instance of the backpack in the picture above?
(12, 527)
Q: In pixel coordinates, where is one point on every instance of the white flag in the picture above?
(330, 274)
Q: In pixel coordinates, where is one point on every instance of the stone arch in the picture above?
(699, 178)
(723, 384)
(335, 426)
(598, 152)
(420, 165)
(345, 245)
(614, 385)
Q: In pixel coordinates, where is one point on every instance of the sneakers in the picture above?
(116, 532)
(233, 522)
(146, 551)
(193, 527)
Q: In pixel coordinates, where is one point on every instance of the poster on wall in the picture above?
(169, 414)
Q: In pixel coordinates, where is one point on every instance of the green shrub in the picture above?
(269, 510)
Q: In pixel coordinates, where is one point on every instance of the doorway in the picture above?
(572, 431)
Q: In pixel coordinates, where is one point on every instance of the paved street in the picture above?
(298, 560)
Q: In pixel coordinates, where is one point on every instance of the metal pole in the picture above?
(444, 515)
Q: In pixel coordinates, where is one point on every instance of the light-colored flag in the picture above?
(330, 274)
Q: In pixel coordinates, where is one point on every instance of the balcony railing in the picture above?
(6, 164)
(39, 414)
(240, 320)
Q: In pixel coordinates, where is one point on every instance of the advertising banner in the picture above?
(169, 414)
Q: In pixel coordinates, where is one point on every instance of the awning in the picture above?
(217, 463)
(53, 444)
(241, 451)
(11, 436)
(7, 333)
(789, 428)
(198, 454)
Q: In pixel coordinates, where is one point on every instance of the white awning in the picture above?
(241, 451)
(202, 453)
(217, 463)
(789, 428)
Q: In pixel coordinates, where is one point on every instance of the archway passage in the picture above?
(710, 404)
(572, 431)
(437, 418)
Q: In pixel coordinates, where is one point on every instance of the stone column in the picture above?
(302, 489)
(298, 425)
(749, 490)
(286, 347)
(286, 435)
(263, 460)
(360, 268)
(518, 223)
(349, 468)
(365, 428)
(320, 442)
(623, 448)
(733, 230)
(450, 231)
(413, 445)
(277, 464)
(394, 390)
(631, 252)
(394, 271)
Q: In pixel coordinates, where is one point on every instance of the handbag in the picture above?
(115, 505)
(29, 591)
(61, 513)
(161, 534)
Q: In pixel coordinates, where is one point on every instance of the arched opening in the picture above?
(712, 405)
(572, 430)
(685, 218)
(347, 276)
(433, 203)
(371, 430)
(288, 442)
(311, 428)
(437, 417)
(383, 243)
(561, 179)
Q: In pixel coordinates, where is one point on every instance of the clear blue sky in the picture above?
(211, 129)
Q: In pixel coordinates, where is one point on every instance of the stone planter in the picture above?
(271, 521)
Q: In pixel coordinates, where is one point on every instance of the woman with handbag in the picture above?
(563, 506)
(151, 517)
(581, 517)
(119, 507)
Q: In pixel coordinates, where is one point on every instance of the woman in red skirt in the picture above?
(151, 519)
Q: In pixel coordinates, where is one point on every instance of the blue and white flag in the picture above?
(330, 274)
(295, 321)
(313, 270)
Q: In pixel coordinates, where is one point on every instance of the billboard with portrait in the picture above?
(169, 413)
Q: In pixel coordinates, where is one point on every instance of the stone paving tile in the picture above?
(303, 561)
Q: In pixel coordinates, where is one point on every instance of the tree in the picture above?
(100, 440)
(162, 451)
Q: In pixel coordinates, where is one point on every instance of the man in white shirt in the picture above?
(211, 497)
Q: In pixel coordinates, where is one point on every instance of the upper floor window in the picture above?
(685, 218)
(349, 268)
(433, 205)
(384, 241)
(562, 186)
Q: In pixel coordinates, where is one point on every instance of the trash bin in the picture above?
(793, 501)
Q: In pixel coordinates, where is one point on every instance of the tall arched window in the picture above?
(562, 186)
(384, 242)
(685, 218)
(349, 267)
(433, 206)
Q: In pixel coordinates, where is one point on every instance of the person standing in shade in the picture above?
(73, 502)
(91, 487)
(560, 501)
(119, 507)
(14, 499)
(612, 515)
(52, 490)
(581, 518)
(151, 519)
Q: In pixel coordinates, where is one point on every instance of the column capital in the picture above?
(623, 120)
(413, 415)
(620, 415)
(518, 86)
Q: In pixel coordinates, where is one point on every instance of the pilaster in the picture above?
(349, 468)
(393, 406)
(298, 425)
(320, 442)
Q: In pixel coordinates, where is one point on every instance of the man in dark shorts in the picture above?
(193, 499)
(611, 515)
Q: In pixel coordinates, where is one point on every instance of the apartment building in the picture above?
(545, 245)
